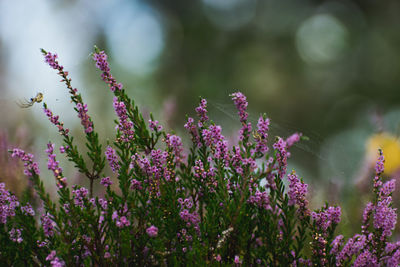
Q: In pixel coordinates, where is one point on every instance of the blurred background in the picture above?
(328, 69)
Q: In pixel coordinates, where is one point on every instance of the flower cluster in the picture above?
(372, 246)
(54, 120)
(54, 261)
(15, 235)
(191, 127)
(8, 204)
(106, 181)
(282, 156)
(206, 205)
(262, 135)
(31, 168)
(297, 192)
(152, 231)
(80, 107)
(85, 119)
(48, 224)
(241, 104)
(51, 59)
(125, 126)
(53, 165)
(112, 158)
(379, 166)
(102, 64)
(174, 142)
(202, 110)
(327, 217)
(260, 199)
(154, 125)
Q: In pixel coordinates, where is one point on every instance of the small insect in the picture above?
(26, 104)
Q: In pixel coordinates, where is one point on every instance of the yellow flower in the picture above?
(390, 146)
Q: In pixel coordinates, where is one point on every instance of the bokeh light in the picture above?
(135, 36)
(322, 39)
(230, 15)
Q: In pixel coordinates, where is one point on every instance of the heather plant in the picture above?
(203, 205)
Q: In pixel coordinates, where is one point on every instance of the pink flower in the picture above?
(218, 258)
(237, 260)
(152, 231)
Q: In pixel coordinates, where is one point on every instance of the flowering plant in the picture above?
(202, 206)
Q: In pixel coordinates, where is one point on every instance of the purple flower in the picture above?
(334, 214)
(52, 165)
(152, 231)
(122, 222)
(336, 244)
(63, 149)
(153, 125)
(281, 156)
(47, 224)
(237, 160)
(297, 191)
(103, 203)
(291, 140)
(51, 59)
(221, 151)
(391, 247)
(158, 157)
(174, 142)
(202, 110)
(28, 210)
(261, 199)
(192, 128)
(76, 98)
(262, 135)
(102, 64)
(190, 218)
(41, 244)
(106, 181)
(385, 217)
(135, 184)
(31, 168)
(366, 258)
(380, 167)
(241, 104)
(212, 135)
(125, 126)
(54, 261)
(51, 255)
(245, 131)
(237, 260)
(352, 247)
(111, 156)
(15, 235)
(54, 120)
(366, 216)
(8, 204)
(304, 262)
(394, 259)
(387, 188)
(79, 195)
(85, 119)
(326, 217)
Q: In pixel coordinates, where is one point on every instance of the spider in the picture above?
(26, 104)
